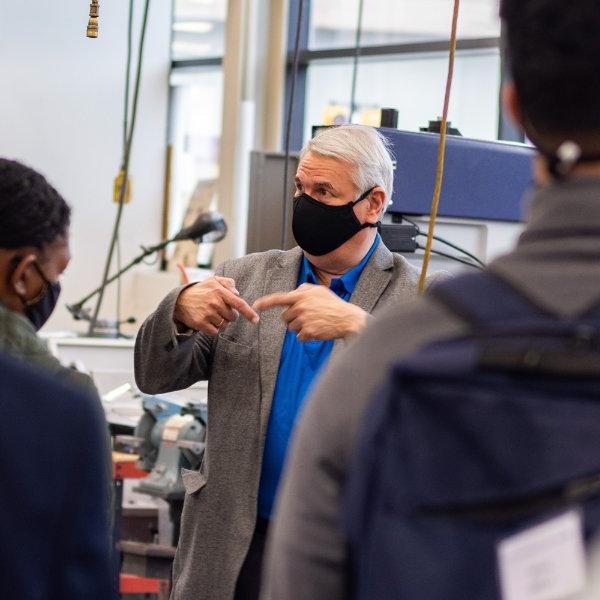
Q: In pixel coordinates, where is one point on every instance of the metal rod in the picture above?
(288, 126)
(166, 202)
(355, 62)
(138, 259)
(307, 56)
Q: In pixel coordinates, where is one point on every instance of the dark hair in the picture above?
(32, 212)
(553, 52)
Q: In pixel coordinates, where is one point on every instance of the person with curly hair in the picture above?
(34, 252)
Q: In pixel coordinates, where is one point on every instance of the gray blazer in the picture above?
(241, 366)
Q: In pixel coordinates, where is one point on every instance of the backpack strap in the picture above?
(512, 328)
(593, 314)
(484, 300)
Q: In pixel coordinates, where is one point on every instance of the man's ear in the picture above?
(19, 278)
(377, 202)
(510, 100)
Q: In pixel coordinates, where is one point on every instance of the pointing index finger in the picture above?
(240, 305)
(228, 283)
(273, 300)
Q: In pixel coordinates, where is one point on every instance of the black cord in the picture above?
(437, 238)
(451, 257)
(125, 128)
(127, 74)
(445, 242)
(152, 262)
(124, 170)
(118, 286)
(357, 48)
(288, 125)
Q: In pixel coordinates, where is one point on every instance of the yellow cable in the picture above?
(439, 175)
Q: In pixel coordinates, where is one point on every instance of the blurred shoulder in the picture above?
(27, 387)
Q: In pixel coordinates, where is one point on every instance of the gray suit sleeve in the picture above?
(307, 554)
(166, 360)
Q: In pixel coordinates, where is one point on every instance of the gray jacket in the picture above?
(556, 263)
(241, 365)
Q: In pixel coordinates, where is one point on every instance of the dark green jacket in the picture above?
(19, 339)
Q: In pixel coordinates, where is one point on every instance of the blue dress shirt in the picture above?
(299, 365)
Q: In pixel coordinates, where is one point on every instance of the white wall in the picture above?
(61, 112)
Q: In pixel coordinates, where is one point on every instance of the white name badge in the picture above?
(545, 562)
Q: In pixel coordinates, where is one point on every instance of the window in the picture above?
(196, 81)
(414, 85)
(196, 107)
(385, 22)
(198, 29)
(402, 64)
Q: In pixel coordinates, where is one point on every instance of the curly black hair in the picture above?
(32, 212)
(553, 51)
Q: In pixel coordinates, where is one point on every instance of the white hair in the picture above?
(363, 148)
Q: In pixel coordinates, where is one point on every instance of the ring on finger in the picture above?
(221, 323)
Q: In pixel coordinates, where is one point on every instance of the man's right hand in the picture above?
(211, 305)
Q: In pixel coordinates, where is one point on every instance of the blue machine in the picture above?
(482, 180)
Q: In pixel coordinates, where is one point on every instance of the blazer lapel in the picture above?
(374, 279)
(372, 283)
(281, 277)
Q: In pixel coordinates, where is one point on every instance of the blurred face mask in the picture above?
(39, 309)
(320, 228)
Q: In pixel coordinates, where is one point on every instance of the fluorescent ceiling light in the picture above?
(190, 48)
(193, 26)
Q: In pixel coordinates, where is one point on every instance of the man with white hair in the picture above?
(310, 300)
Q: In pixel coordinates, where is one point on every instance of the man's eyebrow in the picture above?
(322, 184)
(326, 185)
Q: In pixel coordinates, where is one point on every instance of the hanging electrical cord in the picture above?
(124, 168)
(125, 128)
(127, 74)
(455, 247)
(464, 261)
(441, 240)
(119, 266)
(357, 48)
(439, 176)
(288, 125)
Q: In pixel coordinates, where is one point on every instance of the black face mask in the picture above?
(39, 309)
(320, 228)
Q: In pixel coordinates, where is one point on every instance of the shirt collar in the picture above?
(347, 281)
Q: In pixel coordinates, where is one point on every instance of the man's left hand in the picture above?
(316, 313)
